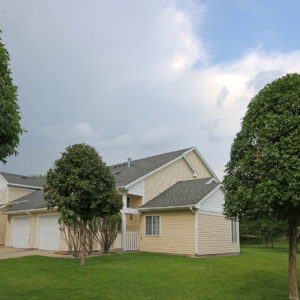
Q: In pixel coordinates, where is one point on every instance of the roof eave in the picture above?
(25, 186)
(153, 172)
(27, 211)
(144, 209)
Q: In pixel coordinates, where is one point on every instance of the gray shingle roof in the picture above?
(34, 200)
(182, 193)
(123, 176)
(140, 167)
(24, 180)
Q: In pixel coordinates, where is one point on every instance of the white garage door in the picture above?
(49, 233)
(20, 232)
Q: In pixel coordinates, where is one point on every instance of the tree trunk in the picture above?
(83, 244)
(266, 242)
(272, 242)
(293, 287)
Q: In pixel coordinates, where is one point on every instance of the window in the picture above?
(128, 202)
(233, 231)
(152, 225)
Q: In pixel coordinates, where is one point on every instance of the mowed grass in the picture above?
(258, 273)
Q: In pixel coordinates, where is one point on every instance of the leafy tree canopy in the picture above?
(10, 128)
(263, 173)
(80, 184)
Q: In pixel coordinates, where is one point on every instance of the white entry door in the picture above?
(20, 232)
(49, 233)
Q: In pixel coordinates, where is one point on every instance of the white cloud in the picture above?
(131, 79)
(235, 83)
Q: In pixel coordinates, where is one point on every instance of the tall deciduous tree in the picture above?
(81, 186)
(263, 174)
(10, 128)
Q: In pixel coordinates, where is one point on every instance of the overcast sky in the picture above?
(139, 78)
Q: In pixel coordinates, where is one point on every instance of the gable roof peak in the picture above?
(141, 167)
(23, 180)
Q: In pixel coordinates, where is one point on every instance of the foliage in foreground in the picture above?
(100, 231)
(10, 128)
(263, 174)
(82, 188)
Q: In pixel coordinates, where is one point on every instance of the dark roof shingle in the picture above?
(182, 193)
(31, 201)
(24, 180)
(140, 167)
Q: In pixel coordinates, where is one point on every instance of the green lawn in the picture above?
(258, 273)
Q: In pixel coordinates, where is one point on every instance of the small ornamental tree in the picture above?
(10, 128)
(81, 186)
(263, 174)
(108, 230)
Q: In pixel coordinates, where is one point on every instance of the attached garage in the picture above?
(20, 232)
(48, 232)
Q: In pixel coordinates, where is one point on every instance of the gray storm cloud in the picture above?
(130, 78)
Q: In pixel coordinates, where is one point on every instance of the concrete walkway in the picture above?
(14, 252)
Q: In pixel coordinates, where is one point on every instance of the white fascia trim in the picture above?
(169, 163)
(25, 186)
(27, 211)
(135, 193)
(211, 180)
(195, 173)
(165, 208)
(153, 172)
(208, 195)
(204, 161)
(212, 213)
(132, 211)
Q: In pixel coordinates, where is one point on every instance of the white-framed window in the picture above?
(233, 231)
(153, 225)
(128, 202)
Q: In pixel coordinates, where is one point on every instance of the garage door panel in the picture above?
(20, 232)
(49, 234)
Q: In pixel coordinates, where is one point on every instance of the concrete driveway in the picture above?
(14, 252)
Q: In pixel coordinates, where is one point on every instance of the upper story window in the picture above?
(233, 231)
(128, 203)
(153, 225)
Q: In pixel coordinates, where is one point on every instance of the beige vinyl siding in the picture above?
(176, 234)
(18, 193)
(3, 196)
(3, 222)
(199, 166)
(214, 236)
(135, 201)
(133, 222)
(63, 245)
(163, 179)
(8, 232)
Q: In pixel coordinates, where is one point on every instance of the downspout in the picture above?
(195, 211)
